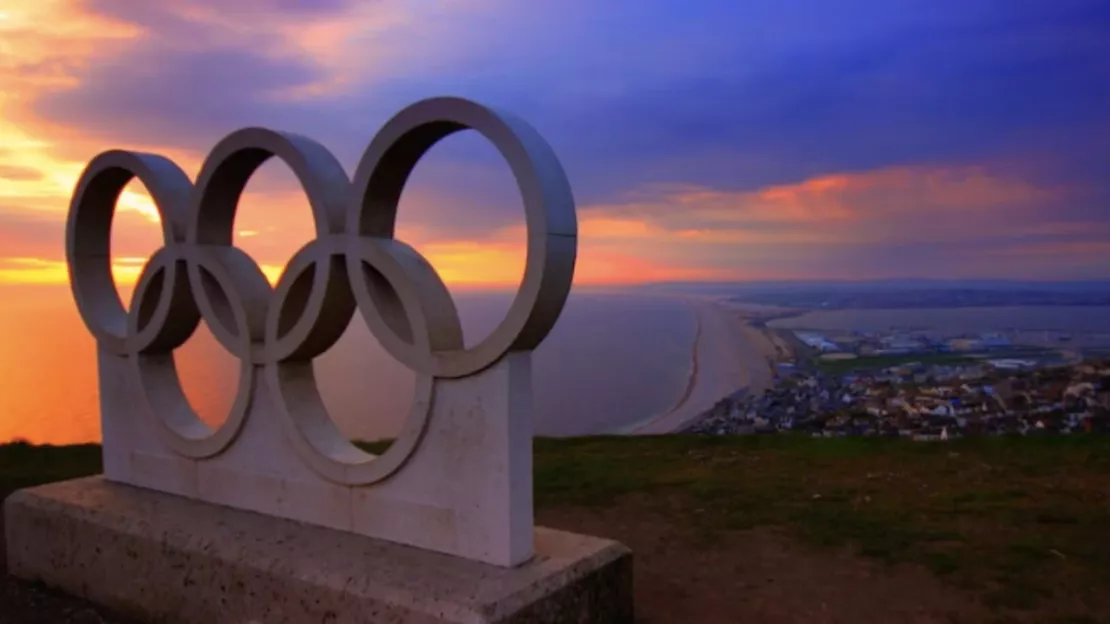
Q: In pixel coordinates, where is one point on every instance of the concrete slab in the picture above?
(166, 558)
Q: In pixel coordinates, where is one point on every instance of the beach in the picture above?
(728, 355)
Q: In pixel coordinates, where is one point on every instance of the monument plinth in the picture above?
(191, 523)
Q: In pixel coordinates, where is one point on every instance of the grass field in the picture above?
(1019, 519)
(875, 362)
(1021, 522)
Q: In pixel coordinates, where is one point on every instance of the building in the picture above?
(1012, 364)
(817, 341)
(965, 344)
(995, 341)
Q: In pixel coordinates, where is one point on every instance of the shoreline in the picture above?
(692, 376)
(728, 356)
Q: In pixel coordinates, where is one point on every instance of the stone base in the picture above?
(170, 559)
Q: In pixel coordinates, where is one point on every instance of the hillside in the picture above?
(791, 529)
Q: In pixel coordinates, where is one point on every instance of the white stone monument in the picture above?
(276, 501)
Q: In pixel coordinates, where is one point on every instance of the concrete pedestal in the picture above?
(171, 559)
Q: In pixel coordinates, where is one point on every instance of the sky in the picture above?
(704, 139)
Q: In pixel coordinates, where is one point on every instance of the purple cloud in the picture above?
(187, 101)
(727, 96)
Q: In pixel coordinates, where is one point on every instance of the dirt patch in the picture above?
(760, 576)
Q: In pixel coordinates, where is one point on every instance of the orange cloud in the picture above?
(898, 189)
(34, 181)
(39, 271)
(838, 198)
(32, 271)
(35, 60)
(896, 204)
(473, 263)
(680, 232)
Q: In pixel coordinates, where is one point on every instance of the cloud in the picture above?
(17, 173)
(199, 69)
(35, 233)
(920, 220)
(702, 139)
(875, 203)
(930, 95)
(882, 223)
(136, 107)
(858, 87)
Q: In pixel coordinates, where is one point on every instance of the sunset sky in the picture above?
(704, 139)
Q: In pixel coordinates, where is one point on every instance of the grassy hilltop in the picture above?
(1018, 525)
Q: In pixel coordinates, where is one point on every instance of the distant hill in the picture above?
(889, 284)
(902, 293)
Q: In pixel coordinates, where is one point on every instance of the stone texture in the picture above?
(465, 490)
(172, 559)
(457, 478)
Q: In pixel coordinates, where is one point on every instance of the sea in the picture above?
(613, 358)
(1079, 319)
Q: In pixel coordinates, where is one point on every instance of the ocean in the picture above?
(1080, 319)
(612, 359)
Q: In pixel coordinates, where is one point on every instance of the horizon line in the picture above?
(500, 287)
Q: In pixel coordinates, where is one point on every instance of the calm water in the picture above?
(611, 360)
(1093, 319)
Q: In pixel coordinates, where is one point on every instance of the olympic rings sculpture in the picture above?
(353, 263)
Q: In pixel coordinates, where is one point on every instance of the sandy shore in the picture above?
(728, 355)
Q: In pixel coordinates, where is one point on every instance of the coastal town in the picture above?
(920, 386)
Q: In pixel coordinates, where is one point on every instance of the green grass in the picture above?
(1022, 521)
(24, 465)
(874, 362)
